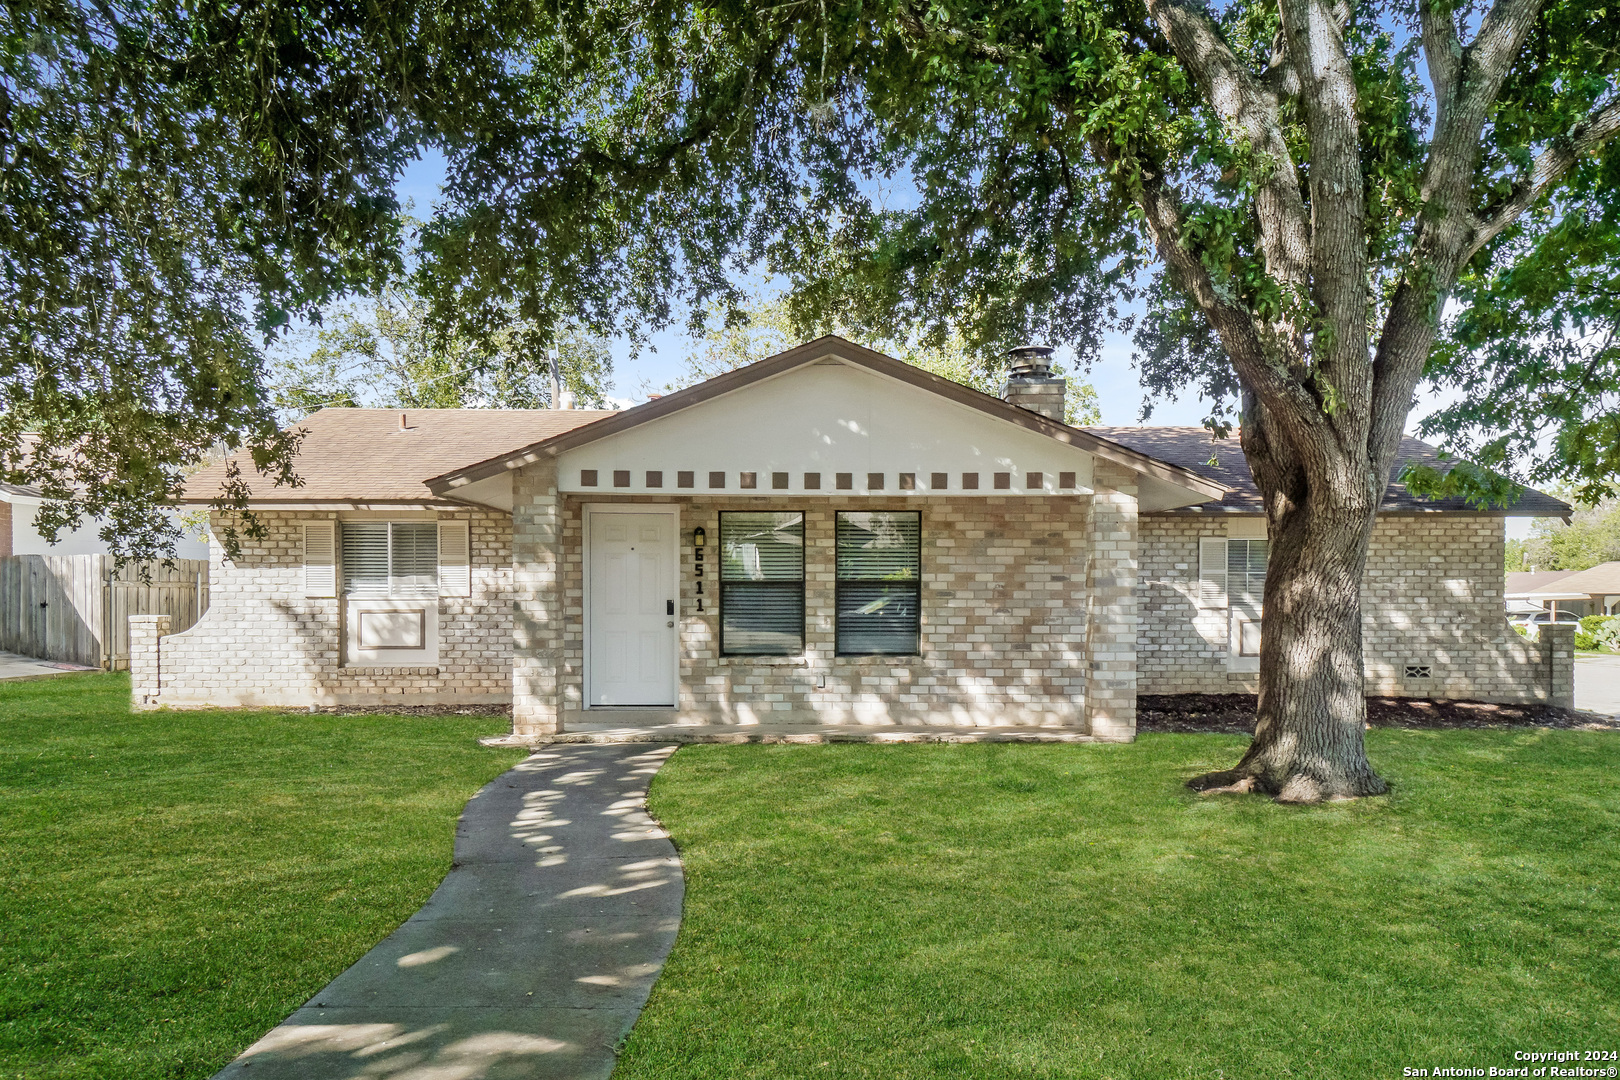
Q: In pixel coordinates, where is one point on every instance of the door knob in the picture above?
(671, 623)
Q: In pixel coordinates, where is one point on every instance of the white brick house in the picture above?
(826, 537)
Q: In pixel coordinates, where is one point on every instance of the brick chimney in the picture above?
(1031, 384)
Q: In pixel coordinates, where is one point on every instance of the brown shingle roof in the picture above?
(1602, 579)
(1520, 582)
(1193, 448)
(361, 455)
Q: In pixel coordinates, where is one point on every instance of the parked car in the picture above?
(1533, 623)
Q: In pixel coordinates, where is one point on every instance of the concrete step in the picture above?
(795, 733)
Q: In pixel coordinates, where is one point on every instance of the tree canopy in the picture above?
(176, 181)
(378, 351)
(1591, 537)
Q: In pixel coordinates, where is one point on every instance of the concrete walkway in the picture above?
(1597, 684)
(533, 958)
(16, 666)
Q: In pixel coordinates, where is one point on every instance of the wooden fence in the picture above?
(75, 609)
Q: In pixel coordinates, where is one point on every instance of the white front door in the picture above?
(630, 646)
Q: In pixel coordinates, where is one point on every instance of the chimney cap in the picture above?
(1030, 361)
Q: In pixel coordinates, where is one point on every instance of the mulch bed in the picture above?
(1229, 714)
(414, 710)
(1234, 714)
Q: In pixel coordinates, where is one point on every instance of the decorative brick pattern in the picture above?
(1004, 608)
(262, 642)
(1432, 596)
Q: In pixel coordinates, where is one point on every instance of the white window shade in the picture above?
(320, 564)
(1212, 572)
(455, 559)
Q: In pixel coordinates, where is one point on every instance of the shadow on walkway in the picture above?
(534, 956)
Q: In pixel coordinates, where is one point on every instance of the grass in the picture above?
(1071, 911)
(177, 883)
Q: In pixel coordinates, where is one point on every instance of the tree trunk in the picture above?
(1312, 711)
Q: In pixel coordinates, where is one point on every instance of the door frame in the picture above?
(673, 512)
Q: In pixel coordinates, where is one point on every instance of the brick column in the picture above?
(1558, 652)
(1111, 621)
(537, 606)
(145, 659)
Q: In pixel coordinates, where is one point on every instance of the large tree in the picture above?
(177, 179)
(1294, 188)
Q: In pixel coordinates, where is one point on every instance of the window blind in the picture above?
(391, 559)
(365, 559)
(879, 590)
(1246, 571)
(413, 573)
(761, 583)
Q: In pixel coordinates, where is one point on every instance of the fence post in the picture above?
(146, 633)
(1558, 649)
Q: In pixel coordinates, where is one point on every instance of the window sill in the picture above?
(766, 661)
(402, 669)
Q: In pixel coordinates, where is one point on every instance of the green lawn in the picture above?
(179, 882)
(1072, 911)
(176, 883)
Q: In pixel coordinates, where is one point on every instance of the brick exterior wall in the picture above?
(6, 529)
(1432, 595)
(1004, 609)
(263, 642)
(1052, 611)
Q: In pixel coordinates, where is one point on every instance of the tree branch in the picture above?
(1249, 108)
(1446, 226)
(1314, 32)
(1550, 166)
(1443, 51)
(1266, 377)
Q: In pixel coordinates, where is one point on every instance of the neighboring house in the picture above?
(1580, 592)
(19, 536)
(1521, 584)
(828, 536)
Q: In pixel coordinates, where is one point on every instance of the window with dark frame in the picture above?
(879, 583)
(761, 583)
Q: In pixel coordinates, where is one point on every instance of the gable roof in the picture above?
(1601, 580)
(1194, 447)
(859, 356)
(362, 456)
